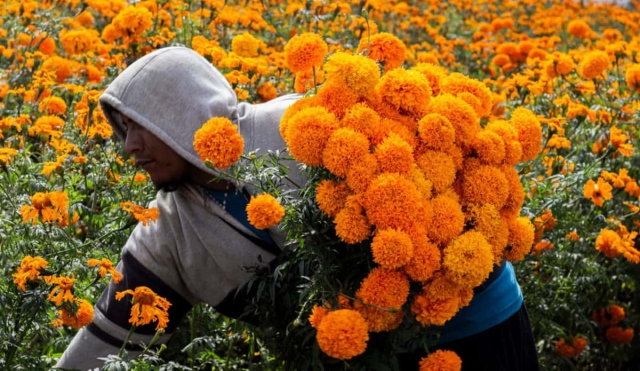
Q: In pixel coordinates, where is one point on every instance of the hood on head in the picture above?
(171, 92)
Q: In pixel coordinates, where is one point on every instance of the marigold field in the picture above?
(546, 177)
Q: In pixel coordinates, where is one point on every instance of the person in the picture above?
(201, 247)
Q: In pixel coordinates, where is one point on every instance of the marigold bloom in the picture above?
(618, 140)
(391, 248)
(610, 316)
(501, 60)
(305, 51)
(49, 207)
(48, 126)
(632, 77)
(219, 141)
(62, 290)
(521, 237)
(343, 148)
(573, 236)
(486, 219)
(439, 168)
(441, 360)
(363, 119)
(516, 191)
(384, 288)
(594, 64)
(245, 45)
(47, 46)
(609, 243)
(362, 172)
(133, 21)
(618, 335)
(394, 155)
(343, 334)
(598, 192)
(468, 260)
(436, 132)
(145, 216)
(83, 315)
(565, 349)
(29, 270)
(485, 184)
(304, 81)
(291, 111)
(266, 91)
(448, 220)
(264, 211)
(317, 315)
(335, 98)
(489, 147)
(561, 64)
(433, 73)
(426, 257)
(391, 201)
(509, 136)
(106, 266)
(579, 28)
(75, 42)
(424, 186)
(529, 132)
(358, 73)
(147, 307)
(384, 48)
(407, 91)
(460, 114)
(61, 67)
(457, 84)
(439, 301)
(52, 105)
(331, 196)
(7, 154)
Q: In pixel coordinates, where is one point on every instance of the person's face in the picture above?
(165, 167)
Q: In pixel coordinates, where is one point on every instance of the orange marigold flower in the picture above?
(291, 111)
(542, 246)
(147, 307)
(82, 316)
(521, 235)
(598, 192)
(439, 168)
(106, 266)
(609, 243)
(48, 126)
(343, 334)
(618, 335)
(424, 186)
(394, 155)
(245, 45)
(439, 301)
(362, 119)
(457, 84)
(362, 172)
(344, 148)
(426, 257)
(75, 42)
(335, 98)
(561, 64)
(501, 60)
(145, 216)
(7, 154)
(47, 46)
(632, 77)
(610, 316)
(407, 91)
(331, 196)
(579, 28)
(385, 288)
(391, 248)
(529, 132)
(568, 350)
(304, 81)
(219, 141)
(61, 67)
(468, 259)
(49, 207)
(509, 135)
(619, 140)
(433, 73)
(352, 226)
(29, 270)
(489, 147)
(448, 220)
(436, 132)
(264, 211)
(392, 201)
(317, 315)
(62, 290)
(379, 320)
(305, 51)
(594, 64)
(358, 73)
(384, 48)
(460, 114)
(485, 218)
(266, 91)
(52, 106)
(441, 360)
(133, 21)
(485, 184)
(573, 236)
(516, 191)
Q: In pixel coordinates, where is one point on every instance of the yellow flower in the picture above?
(304, 81)
(52, 105)
(82, 316)
(342, 334)
(358, 73)
(331, 196)
(516, 192)
(147, 307)
(384, 48)
(594, 64)
(335, 98)
(7, 154)
(47, 126)
(29, 270)
(266, 91)
(296, 107)
(529, 132)
(61, 292)
(439, 301)
(133, 21)
(106, 266)
(264, 211)
(468, 260)
(579, 28)
(245, 45)
(385, 288)
(308, 132)
(344, 148)
(317, 315)
(49, 207)
(305, 51)
(408, 91)
(76, 42)
(145, 216)
(362, 119)
(441, 360)
(219, 141)
(632, 77)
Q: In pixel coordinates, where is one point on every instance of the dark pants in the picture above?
(508, 346)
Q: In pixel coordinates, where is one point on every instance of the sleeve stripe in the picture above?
(104, 336)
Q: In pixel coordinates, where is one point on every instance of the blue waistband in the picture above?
(499, 301)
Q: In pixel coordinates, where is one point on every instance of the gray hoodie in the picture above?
(195, 251)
